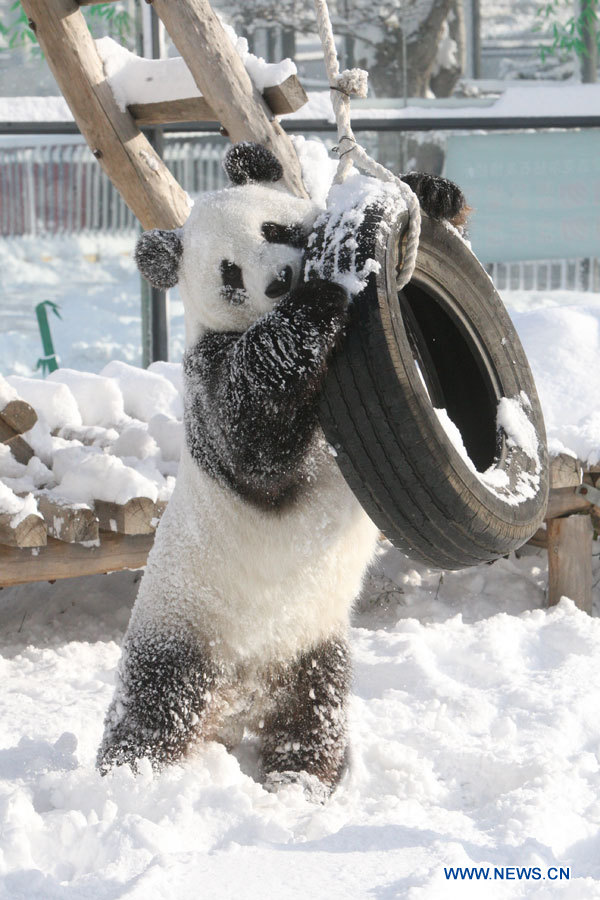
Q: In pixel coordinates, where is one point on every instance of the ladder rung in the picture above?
(281, 99)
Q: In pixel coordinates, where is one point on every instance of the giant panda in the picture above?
(241, 620)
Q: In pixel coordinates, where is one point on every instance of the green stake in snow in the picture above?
(48, 362)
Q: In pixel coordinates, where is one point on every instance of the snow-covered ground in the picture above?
(475, 714)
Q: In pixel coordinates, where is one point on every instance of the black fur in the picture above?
(306, 732)
(233, 289)
(292, 235)
(251, 398)
(157, 255)
(248, 161)
(439, 197)
(167, 685)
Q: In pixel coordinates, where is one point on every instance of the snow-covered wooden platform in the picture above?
(87, 464)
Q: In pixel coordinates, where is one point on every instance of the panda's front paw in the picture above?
(324, 298)
(439, 197)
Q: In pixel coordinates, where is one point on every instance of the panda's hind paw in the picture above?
(312, 787)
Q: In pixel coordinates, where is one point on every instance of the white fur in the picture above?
(261, 585)
(227, 224)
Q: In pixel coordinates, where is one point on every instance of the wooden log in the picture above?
(286, 97)
(137, 516)
(65, 522)
(192, 109)
(124, 153)
(222, 79)
(569, 544)
(20, 449)
(564, 501)
(61, 560)
(281, 99)
(570, 561)
(16, 417)
(29, 532)
(539, 539)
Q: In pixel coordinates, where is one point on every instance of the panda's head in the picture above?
(239, 252)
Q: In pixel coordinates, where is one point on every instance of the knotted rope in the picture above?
(343, 85)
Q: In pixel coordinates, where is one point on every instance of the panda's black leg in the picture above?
(306, 732)
(163, 702)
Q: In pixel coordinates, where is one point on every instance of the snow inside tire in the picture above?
(445, 342)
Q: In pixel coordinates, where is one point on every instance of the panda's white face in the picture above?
(242, 252)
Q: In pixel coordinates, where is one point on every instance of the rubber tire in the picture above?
(377, 413)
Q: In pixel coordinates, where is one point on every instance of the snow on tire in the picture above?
(430, 403)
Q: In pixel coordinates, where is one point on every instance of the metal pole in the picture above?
(155, 302)
(589, 59)
(476, 38)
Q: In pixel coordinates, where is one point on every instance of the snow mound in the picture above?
(87, 446)
(145, 393)
(53, 401)
(99, 400)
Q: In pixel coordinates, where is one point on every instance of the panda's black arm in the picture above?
(251, 404)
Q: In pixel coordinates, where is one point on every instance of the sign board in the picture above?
(534, 195)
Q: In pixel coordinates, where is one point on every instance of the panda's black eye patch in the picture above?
(292, 235)
(233, 284)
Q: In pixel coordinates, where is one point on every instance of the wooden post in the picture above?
(222, 79)
(126, 156)
(569, 544)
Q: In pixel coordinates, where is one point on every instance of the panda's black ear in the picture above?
(157, 254)
(248, 161)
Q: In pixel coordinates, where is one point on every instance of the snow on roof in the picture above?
(532, 101)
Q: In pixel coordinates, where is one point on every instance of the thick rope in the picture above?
(354, 81)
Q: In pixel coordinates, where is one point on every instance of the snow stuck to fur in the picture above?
(347, 204)
(134, 79)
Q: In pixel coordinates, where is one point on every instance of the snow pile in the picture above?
(134, 79)
(562, 342)
(98, 399)
(145, 392)
(18, 508)
(473, 744)
(88, 448)
(53, 402)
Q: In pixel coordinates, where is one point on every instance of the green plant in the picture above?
(570, 35)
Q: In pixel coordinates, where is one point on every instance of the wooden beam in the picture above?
(222, 79)
(282, 99)
(73, 524)
(137, 516)
(61, 560)
(124, 153)
(30, 531)
(569, 544)
(564, 501)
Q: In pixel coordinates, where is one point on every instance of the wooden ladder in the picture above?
(114, 136)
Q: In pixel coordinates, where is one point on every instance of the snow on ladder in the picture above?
(114, 135)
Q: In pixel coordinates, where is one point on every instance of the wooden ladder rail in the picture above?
(123, 151)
